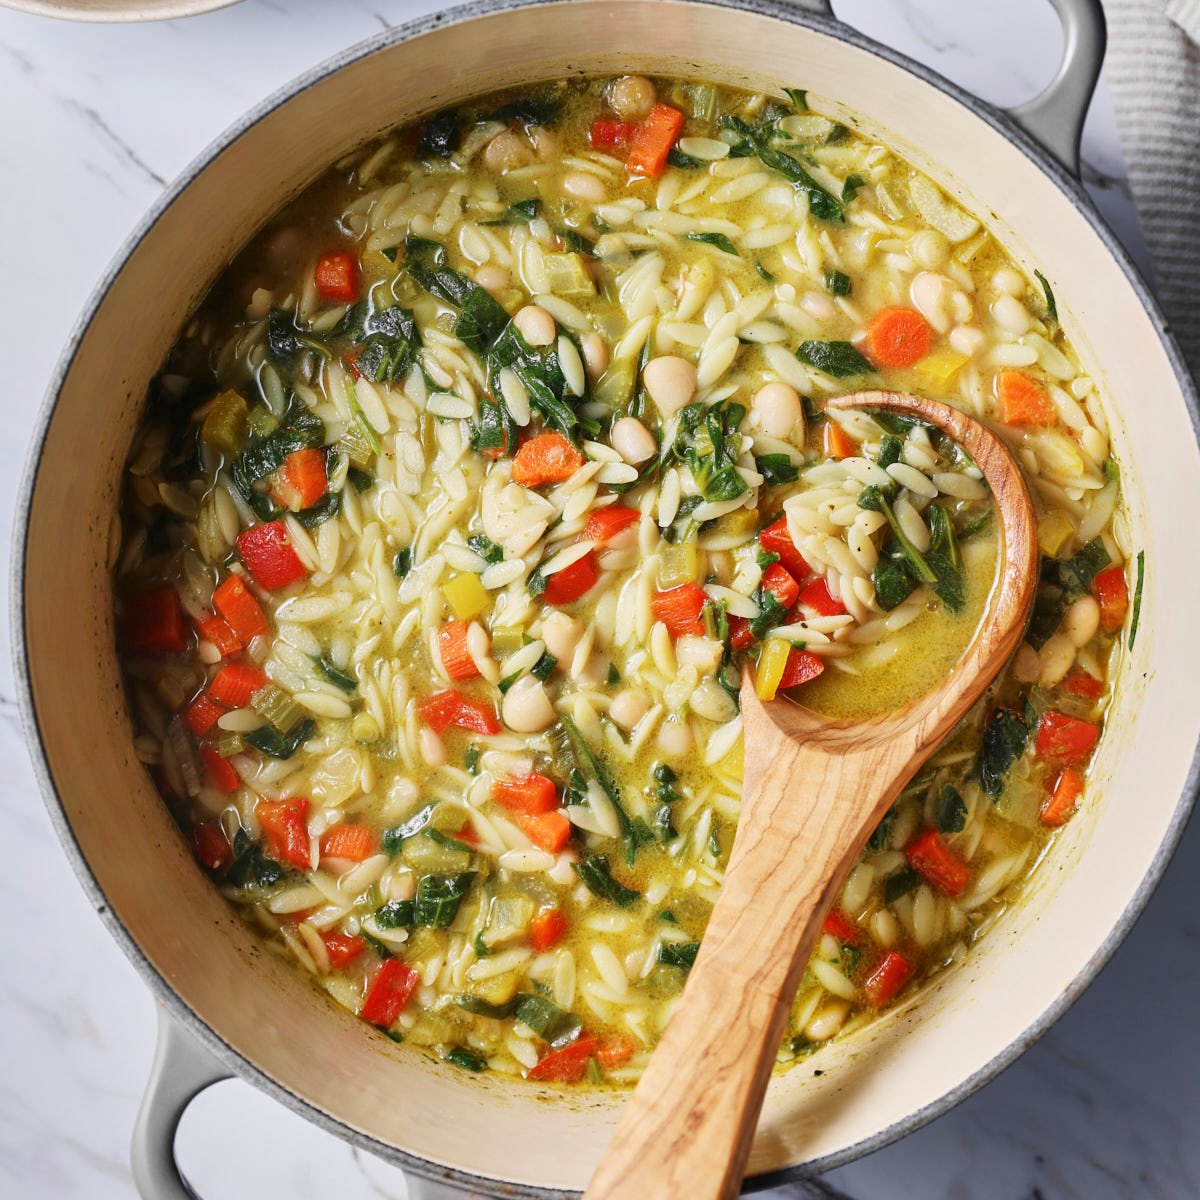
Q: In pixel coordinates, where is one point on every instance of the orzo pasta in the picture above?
(465, 494)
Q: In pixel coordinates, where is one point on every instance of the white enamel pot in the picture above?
(233, 1010)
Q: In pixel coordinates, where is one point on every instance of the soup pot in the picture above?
(230, 1008)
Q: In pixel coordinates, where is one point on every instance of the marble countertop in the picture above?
(95, 121)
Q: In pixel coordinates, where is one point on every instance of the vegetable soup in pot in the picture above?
(477, 479)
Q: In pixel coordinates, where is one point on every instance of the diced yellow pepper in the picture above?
(466, 596)
(940, 367)
(771, 663)
(224, 426)
(741, 520)
(680, 563)
(1053, 531)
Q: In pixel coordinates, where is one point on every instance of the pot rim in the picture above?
(170, 999)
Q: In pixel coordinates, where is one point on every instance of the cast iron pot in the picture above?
(231, 1009)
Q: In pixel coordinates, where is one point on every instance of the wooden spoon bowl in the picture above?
(814, 789)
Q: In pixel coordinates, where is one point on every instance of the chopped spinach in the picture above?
(1137, 597)
(299, 429)
(481, 318)
(754, 140)
(336, 676)
(440, 136)
(892, 577)
(586, 760)
(679, 954)
(719, 240)
(945, 560)
(598, 878)
(799, 99)
(1051, 304)
(281, 745)
(685, 162)
(446, 841)
(551, 1023)
(900, 883)
(250, 866)
(471, 760)
(851, 187)
(395, 837)
(439, 896)
(839, 359)
(529, 111)
(328, 506)
(838, 283)
(883, 831)
(1062, 581)
(1004, 739)
(539, 370)
(486, 548)
(493, 430)
(543, 668)
(468, 1060)
(402, 563)
(396, 914)
(766, 275)
(777, 468)
(951, 810)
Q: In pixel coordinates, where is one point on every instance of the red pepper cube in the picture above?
(337, 277)
(152, 622)
(267, 552)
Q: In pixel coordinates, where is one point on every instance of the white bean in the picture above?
(629, 707)
(583, 185)
(493, 279)
(675, 739)
(777, 406)
(1082, 620)
(671, 382)
(535, 325)
(632, 440)
(1057, 656)
(507, 151)
(1008, 281)
(561, 634)
(526, 706)
(595, 354)
(632, 96)
(1011, 315)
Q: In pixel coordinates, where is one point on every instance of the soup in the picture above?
(468, 489)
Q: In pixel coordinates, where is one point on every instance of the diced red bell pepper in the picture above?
(267, 552)
(547, 929)
(342, 948)
(443, 709)
(211, 846)
(285, 829)
(219, 634)
(837, 925)
(388, 992)
(337, 276)
(241, 610)
(777, 580)
(614, 1051)
(775, 539)
(609, 135)
(606, 523)
(301, 481)
(1079, 682)
(1112, 594)
(233, 685)
(526, 793)
(679, 609)
(653, 141)
(566, 1065)
(456, 655)
(886, 980)
(224, 777)
(740, 635)
(550, 831)
(1062, 798)
(567, 585)
(801, 667)
(929, 854)
(202, 714)
(152, 622)
(352, 842)
(1064, 739)
(817, 596)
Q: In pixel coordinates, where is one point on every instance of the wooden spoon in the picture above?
(814, 789)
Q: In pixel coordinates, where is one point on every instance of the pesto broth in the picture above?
(465, 493)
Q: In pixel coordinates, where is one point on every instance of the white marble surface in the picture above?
(95, 120)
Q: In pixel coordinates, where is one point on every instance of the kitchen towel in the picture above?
(1154, 69)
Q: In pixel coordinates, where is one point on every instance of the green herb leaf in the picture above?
(838, 283)
(685, 162)
(395, 837)
(440, 135)
(250, 866)
(1137, 597)
(396, 914)
(528, 111)
(754, 141)
(402, 563)
(851, 187)
(486, 548)
(799, 99)
(945, 559)
(280, 745)
(719, 240)
(839, 359)
(597, 876)
(1060, 583)
(439, 896)
(776, 469)
(1051, 305)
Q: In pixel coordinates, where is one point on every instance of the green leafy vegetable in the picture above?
(685, 162)
(945, 560)
(754, 141)
(281, 745)
(402, 563)
(766, 275)
(777, 468)
(951, 810)
(851, 187)
(838, 283)
(539, 370)
(486, 548)
(679, 954)
(336, 676)
(467, 1059)
(1062, 581)
(395, 837)
(1137, 596)
(1004, 739)
(440, 136)
(900, 883)
(598, 878)
(528, 111)
(799, 99)
(439, 896)
(1051, 305)
(299, 429)
(481, 318)
(719, 240)
(250, 866)
(839, 359)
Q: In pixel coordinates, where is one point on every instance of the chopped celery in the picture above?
(355, 445)
(276, 707)
(262, 421)
(568, 276)
(507, 640)
(225, 423)
(230, 743)
(615, 387)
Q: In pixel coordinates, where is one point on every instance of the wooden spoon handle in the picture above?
(687, 1130)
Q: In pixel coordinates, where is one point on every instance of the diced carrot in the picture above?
(244, 614)
(679, 609)
(443, 709)
(210, 844)
(606, 523)
(1079, 682)
(233, 685)
(1022, 400)
(1112, 594)
(388, 992)
(566, 1065)
(219, 633)
(301, 481)
(531, 794)
(886, 980)
(612, 1052)
(801, 667)
(1064, 739)
(653, 141)
(929, 854)
(609, 135)
(152, 622)
(1061, 800)
(740, 634)
(285, 829)
(267, 552)
(817, 596)
(547, 929)
(202, 714)
(567, 585)
(224, 777)
(775, 539)
(777, 580)
(551, 831)
(897, 338)
(837, 925)
(342, 948)
(353, 842)
(452, 646)
(337, 276)
(467, 834)
(836, 442)
(545, 458)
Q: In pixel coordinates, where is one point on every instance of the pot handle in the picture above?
(181, 1070)
(1054, 119)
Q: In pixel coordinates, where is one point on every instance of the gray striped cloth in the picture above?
(1154, 68)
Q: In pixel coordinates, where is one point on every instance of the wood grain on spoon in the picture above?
(813, 790)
